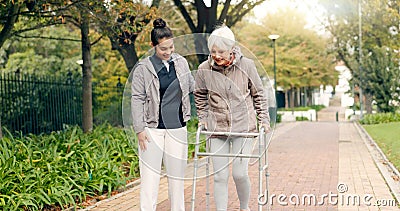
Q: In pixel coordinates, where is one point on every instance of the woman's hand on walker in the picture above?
(202, 124)
(266, 127)
(142, 137)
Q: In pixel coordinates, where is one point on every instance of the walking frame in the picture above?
(261, 157)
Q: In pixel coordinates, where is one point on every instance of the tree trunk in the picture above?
(292, 97)
(306, 98)
(207, 19)
(201, 48)
(87, 113)
(9, 22)
(127, 51)
(298, 101)
(368, 103)
(286, 99)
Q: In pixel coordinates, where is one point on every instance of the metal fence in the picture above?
(39, 104)
(107, 103)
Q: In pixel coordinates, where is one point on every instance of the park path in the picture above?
(305, 159)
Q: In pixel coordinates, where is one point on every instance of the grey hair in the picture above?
(222, 38)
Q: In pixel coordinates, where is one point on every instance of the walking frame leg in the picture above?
(261, 146)
(263, 196)
(208, 176)
(262, 165)
(195, 166)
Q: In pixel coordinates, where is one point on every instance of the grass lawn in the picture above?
(387, 136)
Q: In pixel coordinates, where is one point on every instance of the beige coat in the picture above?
(145, 101)
(232, 98)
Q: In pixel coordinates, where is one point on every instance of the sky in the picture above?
(310, 7)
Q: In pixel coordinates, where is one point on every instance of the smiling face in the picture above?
(165, 48)
(221, 57)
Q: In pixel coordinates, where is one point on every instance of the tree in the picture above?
(87, 111)
(36, 14)
(51, 50)
(380, 66)
(12, 10)
(379, 21)
(98, 15)
(9, 11)
(303, 60)
(208, 18)
(131, 21)
(76, 13)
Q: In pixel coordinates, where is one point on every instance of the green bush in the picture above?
(378, 118)
(301, 118)
(278, 118)
(63, 168)
(317, 107)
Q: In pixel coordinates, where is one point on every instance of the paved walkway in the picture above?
(327, 160)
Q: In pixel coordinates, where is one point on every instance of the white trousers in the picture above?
(167, 146)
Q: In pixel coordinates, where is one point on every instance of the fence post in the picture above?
(337, 116)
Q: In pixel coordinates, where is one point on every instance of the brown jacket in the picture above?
(229, 99)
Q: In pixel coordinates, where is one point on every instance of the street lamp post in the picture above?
(361, 55)
(274, 37)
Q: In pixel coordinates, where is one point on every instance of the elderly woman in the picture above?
(230, 97)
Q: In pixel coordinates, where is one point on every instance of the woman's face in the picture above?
(220, 56)
(165, 48)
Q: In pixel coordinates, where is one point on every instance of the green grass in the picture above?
(387, 136)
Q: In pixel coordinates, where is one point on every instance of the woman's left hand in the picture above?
(266, 127)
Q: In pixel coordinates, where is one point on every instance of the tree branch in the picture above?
(9, 25)
(239, 12)
(186, 15)
(47, 13)
(34, 28)
(49, 38)
(224, 11)
(96, 41)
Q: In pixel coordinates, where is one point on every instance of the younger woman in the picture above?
(161, 84)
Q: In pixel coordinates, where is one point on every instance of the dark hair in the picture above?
(160, 31)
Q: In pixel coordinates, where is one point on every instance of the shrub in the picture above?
(278, 118)
(317, 107)
(378, 118)
(301, 118)
(42, 172)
